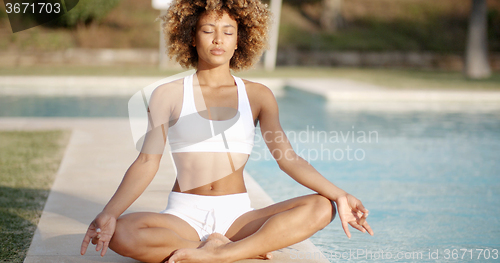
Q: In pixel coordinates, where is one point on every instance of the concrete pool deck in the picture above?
(333, 89)
(97, 156)
(349, 90)
(340, 94)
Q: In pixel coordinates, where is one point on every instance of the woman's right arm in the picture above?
(144, 168)
(136, 179)
(138, 176)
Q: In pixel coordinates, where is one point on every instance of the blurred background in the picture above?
(419, 34)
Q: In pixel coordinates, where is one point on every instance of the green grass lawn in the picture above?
(390, 78)
(28, 164)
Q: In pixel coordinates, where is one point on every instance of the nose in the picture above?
(217, 38)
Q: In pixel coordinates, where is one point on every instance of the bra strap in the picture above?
(243, 101)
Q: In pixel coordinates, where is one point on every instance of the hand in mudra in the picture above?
(351, 211)
(99, 232)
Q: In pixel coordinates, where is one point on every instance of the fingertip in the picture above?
(348, 234)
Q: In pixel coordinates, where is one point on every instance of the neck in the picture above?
(214, 77)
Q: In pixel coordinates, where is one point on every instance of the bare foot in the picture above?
(207, 252)
(226, 240)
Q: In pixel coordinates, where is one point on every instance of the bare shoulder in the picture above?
(169, 92)
(165, 97)
(170, 88)
(258, 91)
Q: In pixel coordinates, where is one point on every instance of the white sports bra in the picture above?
(193, 133)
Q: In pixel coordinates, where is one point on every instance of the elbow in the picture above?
(145, 166)
(285, 168)
(144, 158)
(287, 160)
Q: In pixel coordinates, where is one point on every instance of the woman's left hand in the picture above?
(352, 211)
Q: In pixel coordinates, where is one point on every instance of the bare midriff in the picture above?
(210, 173)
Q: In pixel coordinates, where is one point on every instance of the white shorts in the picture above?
(208, 214)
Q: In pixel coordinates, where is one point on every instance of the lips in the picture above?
(217, 51)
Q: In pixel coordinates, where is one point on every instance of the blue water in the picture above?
(430, 179)
(64, 106)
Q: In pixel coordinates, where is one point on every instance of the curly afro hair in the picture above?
(252, 16)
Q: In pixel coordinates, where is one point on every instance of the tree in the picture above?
(476, 55)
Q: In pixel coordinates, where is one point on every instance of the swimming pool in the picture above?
(429, 178)
(63, 106)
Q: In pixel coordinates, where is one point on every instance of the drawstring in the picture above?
(209, 212)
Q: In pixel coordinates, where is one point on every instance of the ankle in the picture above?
(227, 253)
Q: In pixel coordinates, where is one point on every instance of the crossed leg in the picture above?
(154, 237)
(260, 231)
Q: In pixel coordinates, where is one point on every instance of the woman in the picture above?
(209, 119)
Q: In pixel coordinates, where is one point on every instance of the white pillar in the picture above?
(270, 56)
(477, 65)
(162, 58)
(162, 5)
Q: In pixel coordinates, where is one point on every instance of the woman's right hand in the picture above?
(99, 232)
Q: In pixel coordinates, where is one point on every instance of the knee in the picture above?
(324, 211)
(123, 241)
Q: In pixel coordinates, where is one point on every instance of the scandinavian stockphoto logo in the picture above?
(25, 14)
(148, 121)
(149, 115)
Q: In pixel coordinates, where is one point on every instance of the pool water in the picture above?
(63, 106)
(431, 180)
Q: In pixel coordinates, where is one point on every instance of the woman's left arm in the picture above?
(350, 209)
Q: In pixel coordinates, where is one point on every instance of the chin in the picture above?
(217, 62)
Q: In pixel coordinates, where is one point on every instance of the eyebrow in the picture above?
(208, 24)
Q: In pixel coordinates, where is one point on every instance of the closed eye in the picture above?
(207, 32)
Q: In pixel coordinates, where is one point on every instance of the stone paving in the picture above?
(98, 154)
